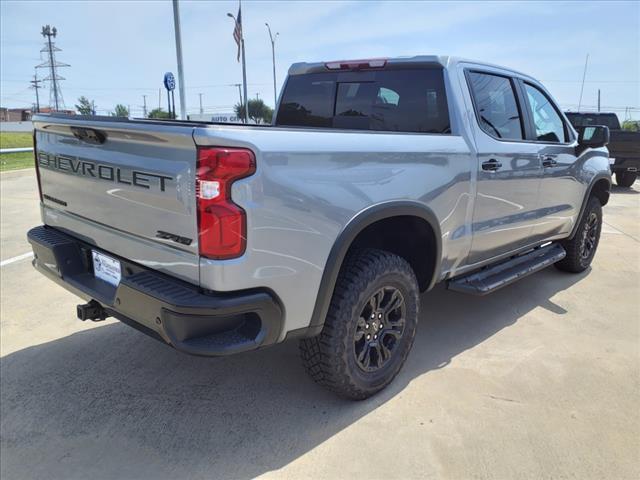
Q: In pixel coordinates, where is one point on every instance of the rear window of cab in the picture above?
(411, 100)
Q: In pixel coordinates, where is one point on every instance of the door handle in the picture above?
(491, 165)
(548, 161)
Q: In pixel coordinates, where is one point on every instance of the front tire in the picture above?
(626, 179)
(582, 247)
(370, 326)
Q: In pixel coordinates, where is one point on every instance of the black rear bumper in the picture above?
(626, 164)
(177, 313)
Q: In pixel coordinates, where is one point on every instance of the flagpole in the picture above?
(244, 72)
(240, 42)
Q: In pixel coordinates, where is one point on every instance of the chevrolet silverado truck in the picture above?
(624, 147)
(377, 180)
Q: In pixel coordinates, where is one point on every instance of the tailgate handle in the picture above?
(89, 135)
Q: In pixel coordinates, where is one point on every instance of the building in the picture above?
(50, 110)
(24, 114)
(15, 114)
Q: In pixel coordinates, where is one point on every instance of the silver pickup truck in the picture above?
(378, 179)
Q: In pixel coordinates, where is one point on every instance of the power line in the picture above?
(590, 81)
(608, 107)
(152, 89)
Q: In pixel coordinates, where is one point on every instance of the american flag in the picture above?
(237, 32)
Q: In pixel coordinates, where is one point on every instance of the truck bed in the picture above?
(309, 183)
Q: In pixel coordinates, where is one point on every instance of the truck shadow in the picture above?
(109, 402)
(625, 190)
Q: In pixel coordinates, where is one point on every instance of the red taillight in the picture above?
(35, 161)
(222, 224)
(356, 64)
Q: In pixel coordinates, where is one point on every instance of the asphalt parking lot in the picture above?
(539, 380)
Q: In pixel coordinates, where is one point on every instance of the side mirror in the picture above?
(593, 136)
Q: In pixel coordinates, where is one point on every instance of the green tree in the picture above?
(631, 125)
(86, 106)
(259, 112)
(159, 113)
(121, 111)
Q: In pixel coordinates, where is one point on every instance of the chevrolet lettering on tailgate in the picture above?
(78, 166)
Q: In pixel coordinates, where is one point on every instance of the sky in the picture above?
(120, 50)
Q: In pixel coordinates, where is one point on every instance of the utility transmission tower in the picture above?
(35, 85)
(201, 110)
(55, 93)
(144, 106)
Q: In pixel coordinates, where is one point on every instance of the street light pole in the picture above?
(244, 84)
(176, 23)
(35, 84)
(584, 75)
(244, 71)
(273, 57)
(239, 92)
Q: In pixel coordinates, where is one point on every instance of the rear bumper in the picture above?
(170, 310)
(626, 164)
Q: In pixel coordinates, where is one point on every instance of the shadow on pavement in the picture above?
(624, 190)
(111, 403)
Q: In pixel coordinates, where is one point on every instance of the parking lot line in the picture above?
(16, 259)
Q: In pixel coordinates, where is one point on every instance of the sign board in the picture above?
(169, 81)
(226, 118)
(216, 117)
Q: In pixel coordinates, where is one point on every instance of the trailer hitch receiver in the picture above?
(91, 311)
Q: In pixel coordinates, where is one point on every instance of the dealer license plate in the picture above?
(106, 268)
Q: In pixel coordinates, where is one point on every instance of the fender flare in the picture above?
(585, 200)
(345, 239)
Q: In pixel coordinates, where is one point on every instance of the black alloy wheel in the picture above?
(379, 329)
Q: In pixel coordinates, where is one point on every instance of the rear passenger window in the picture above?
(546, 119)
(308, 101)
(496, 105)
(385, 100)
(354, 105)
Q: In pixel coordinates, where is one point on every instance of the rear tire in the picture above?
(370, 326)
(626, 179)
(582, 247)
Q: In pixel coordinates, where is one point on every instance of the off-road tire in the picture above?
(626, 179)
(330, 357)
(576, 261)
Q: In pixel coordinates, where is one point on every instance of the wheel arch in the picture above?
(366, 223)
(600, 187)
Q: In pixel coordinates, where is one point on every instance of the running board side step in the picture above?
(494, 277)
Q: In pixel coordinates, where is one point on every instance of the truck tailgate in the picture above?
(125, 186)
(624, 144)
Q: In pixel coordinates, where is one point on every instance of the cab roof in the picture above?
(424, 61)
